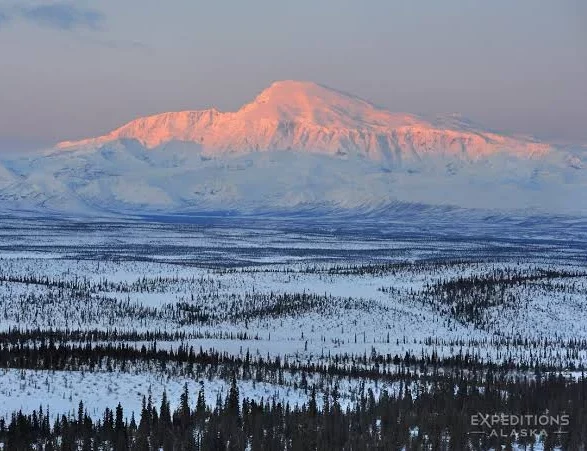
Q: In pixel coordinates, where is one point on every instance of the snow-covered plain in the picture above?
(366, 290)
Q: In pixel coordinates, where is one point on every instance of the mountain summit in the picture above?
(305, 116)
(319, 106)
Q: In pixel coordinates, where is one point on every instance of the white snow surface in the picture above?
(297, 146)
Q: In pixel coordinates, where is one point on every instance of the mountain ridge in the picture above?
(297, 147)
(310, 117)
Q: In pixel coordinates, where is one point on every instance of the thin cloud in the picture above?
(66, 16)
(4, 18)
(115, 44)
(58, 16)
(63, 16)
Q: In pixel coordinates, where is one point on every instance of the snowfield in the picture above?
(296, 293)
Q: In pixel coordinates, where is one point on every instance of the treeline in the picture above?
(84, 284)
(73, 308)
(361, 269)
(438, 418)
(468, 298)
(185, 360)
(540, 346)
(16, 335)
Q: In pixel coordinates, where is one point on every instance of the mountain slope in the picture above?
(309, 117)
(296, 147)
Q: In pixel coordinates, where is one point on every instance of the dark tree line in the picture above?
(97, 356)
(416, 418)
(468, 298)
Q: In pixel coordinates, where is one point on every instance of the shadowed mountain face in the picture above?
(297, 146)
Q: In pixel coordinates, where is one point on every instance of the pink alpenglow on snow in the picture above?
(305, 116)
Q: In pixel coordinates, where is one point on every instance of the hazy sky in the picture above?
(80, 68)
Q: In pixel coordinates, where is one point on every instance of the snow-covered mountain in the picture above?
(297, 146)
(310, 117)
